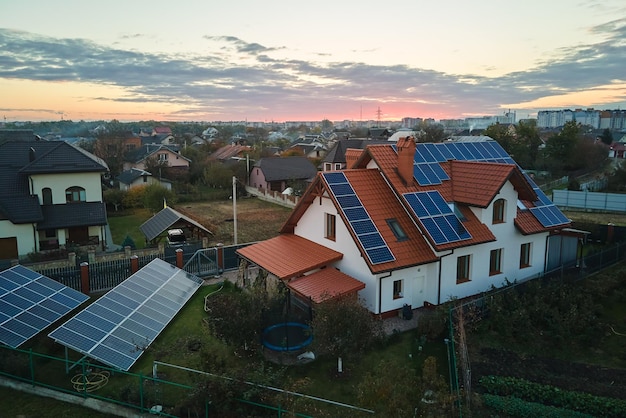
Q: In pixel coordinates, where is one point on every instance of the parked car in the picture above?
(176, 237)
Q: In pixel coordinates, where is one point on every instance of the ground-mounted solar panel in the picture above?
(439, 220)
(30, 302)
(358, 219)
(119, 326)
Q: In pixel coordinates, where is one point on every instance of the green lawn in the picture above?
(128, 225)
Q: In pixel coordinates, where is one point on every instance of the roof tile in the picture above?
(325, 284)
(288, 256)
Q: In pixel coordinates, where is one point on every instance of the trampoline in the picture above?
(287, 336)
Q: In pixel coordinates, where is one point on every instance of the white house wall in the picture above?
(509, 239)
(24, 232)
(58, 183)
(312, 227)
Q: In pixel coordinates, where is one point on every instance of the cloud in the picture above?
(233, 78)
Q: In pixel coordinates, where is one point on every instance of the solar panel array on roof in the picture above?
(546, 212)
(29, 302)
(440, 222)
(362, 225)
(121, 324)
(428, 156)
(427, 171)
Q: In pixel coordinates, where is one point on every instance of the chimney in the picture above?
(406, 156)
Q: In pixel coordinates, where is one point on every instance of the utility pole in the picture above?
(235, 209)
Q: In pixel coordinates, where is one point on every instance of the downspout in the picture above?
(439, 277)
(380, 291)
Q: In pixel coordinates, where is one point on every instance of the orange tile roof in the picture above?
(288, 256)
(382, 204)
(325, 284)
(475, 183)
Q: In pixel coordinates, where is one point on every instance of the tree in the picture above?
(431, 132)
(155, 196)
(607, 136)
(114, 197)
(560, 147)
(528, 143)
(502, 134)
(343, 327)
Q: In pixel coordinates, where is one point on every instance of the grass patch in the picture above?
(128, 225)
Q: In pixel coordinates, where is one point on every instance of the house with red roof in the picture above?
(417, 224)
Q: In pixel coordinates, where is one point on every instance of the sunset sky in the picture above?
(295, 60)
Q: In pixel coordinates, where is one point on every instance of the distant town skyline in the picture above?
(280, 61)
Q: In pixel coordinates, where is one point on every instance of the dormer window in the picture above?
(499, 207)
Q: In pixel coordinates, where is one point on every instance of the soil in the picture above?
(257, 220)
(579, 377)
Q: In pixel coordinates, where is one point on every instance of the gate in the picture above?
(203, 263)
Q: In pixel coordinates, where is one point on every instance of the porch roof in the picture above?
(287, 256)
(325, 284)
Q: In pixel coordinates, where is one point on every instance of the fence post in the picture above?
(179, 258)
(134, 264)
(220, 257)
(84, 277)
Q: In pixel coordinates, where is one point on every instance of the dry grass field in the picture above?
(257, 220)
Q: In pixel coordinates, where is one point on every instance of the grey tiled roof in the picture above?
(337, 153)
(18, 159)
(163, 220)
(72, 215)
(287, 168)
(128, 176)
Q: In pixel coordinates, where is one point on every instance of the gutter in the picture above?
(439, 277)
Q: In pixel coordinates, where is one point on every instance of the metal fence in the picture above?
(596, 201)
(144, 393)
(477, 307)
(105, 275)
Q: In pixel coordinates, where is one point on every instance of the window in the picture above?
(75, 194)
(397, 229)
(330, 226)
(327, 166)
(495, 262)
(397, 289)
(463, 269)
(46, 195)
(162, 157)
(498, 211)
(524, 255)
(337, 166)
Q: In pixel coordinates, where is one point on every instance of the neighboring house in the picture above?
(51, 197)
(231, 152)
(278, 173)
(161, 131)
(169, 156)
(417, 224)
(335, 159)
(311, 146)
(136, 178)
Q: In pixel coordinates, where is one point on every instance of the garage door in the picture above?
(8, 248)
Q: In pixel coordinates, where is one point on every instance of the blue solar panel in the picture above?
(441, 174)
(358, 219)
(363, 227)
(341, 189)
(118, 327)
(335, 177)
(435, 150)
(380, 255)
(446, 151)
(426, 155)
(439, 220)
(356, 214)
(349, 201)
(549, 216)
(419, 176)
(30, 302)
